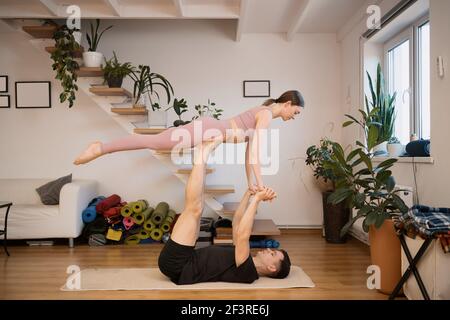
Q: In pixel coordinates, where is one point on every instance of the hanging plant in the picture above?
(64, 62)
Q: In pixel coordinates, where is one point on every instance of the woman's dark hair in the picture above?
(294, 96)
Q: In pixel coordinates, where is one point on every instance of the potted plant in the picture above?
(383, 106)
(395, 148)
(145, 85)
(180, 107)
(64, 62)
(208, 111)
(92, 58)
(114, 72)
(335, 216)
(371, 191)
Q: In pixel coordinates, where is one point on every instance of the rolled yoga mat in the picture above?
(149, 225)
(105, 204)
(140, 217)
(128, 222)
(144, 234)
(127, 210)
(165, 226)
(156, 234)
(90, 213)
(170, 215)
(132, 240)
(139, 206)
(111, 212)
(160, 213)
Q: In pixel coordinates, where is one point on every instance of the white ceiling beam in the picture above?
(51, 7)
(179, 5)
(298, 19)
(243, 16)
(115, 6)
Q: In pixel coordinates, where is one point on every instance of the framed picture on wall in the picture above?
(257, 89)
(33, 94)
(3, 84)
(4, 101)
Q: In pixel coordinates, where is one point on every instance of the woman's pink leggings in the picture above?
(186, 136)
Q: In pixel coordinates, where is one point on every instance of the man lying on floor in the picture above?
(184, 265)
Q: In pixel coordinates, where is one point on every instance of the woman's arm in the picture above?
(263, 119)
(248, 167)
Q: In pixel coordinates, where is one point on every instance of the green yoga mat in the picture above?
(160, 212)
(133, 239)
(144, 234)
(127, 210)
(156, 234)
(165, 227)
(149, 225)
(140, 217)
(171, 215)
(139, 206)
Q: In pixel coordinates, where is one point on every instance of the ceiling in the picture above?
(252, 16)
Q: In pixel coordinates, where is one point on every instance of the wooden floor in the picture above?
(339, 271)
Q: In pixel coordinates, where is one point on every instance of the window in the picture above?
(407, 62)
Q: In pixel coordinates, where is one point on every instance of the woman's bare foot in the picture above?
(92, 152)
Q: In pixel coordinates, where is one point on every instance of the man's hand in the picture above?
(252, 189)
(266, 194)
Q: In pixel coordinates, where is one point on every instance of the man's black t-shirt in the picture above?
(216, 263)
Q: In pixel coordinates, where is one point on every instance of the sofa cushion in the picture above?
(50, 191)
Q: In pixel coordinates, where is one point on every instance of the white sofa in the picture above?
(30, 219)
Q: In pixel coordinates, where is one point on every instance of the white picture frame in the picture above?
(33, 94)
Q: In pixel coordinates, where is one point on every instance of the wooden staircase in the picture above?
(90, 81)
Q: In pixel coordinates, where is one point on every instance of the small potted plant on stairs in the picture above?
(114, 72)
(335, 216)
(92, 58)
(395, 148)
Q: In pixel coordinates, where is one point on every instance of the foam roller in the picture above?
(149, 225)
(156, 234)
(160, 213)
(140, 217)
(144, 234)
(139, 206)
(132, 240)
(127, 210)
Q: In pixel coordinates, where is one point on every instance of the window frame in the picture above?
(410, 33)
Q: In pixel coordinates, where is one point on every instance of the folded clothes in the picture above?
(105, 204)
(431, 218)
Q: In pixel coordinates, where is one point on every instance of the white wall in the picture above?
(432, 179)
(201, 60)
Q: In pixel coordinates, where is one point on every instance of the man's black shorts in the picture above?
(173, 258)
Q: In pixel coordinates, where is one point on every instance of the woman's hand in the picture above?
(252, 189)
(267, 194)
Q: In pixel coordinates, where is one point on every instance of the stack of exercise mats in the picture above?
(223, 232)
(426, 222)
(111, 221)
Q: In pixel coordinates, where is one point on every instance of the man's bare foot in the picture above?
(203, 150)
(92, 152)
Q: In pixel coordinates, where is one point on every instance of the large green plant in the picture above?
(64, 62)
(368, 188)
(384, 105)
(316, 156)
(94, 37)
(146, 82)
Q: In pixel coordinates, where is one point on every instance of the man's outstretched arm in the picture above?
(244, 231)
(237, 217)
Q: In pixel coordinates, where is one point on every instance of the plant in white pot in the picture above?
(395, 147)
(92, 58)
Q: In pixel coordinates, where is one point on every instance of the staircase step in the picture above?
(130, 111)
(168, 152)
(188, 170)
(89, 72)
(107, 91)
(149, 130)
(77, 53)
(40, 32)
(265, 227)
(229, 208)
(219, 189)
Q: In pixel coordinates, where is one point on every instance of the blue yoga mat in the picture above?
(89, 214)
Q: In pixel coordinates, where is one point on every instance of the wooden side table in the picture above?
(5, 204)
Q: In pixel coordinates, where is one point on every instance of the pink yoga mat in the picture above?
(128, 222)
